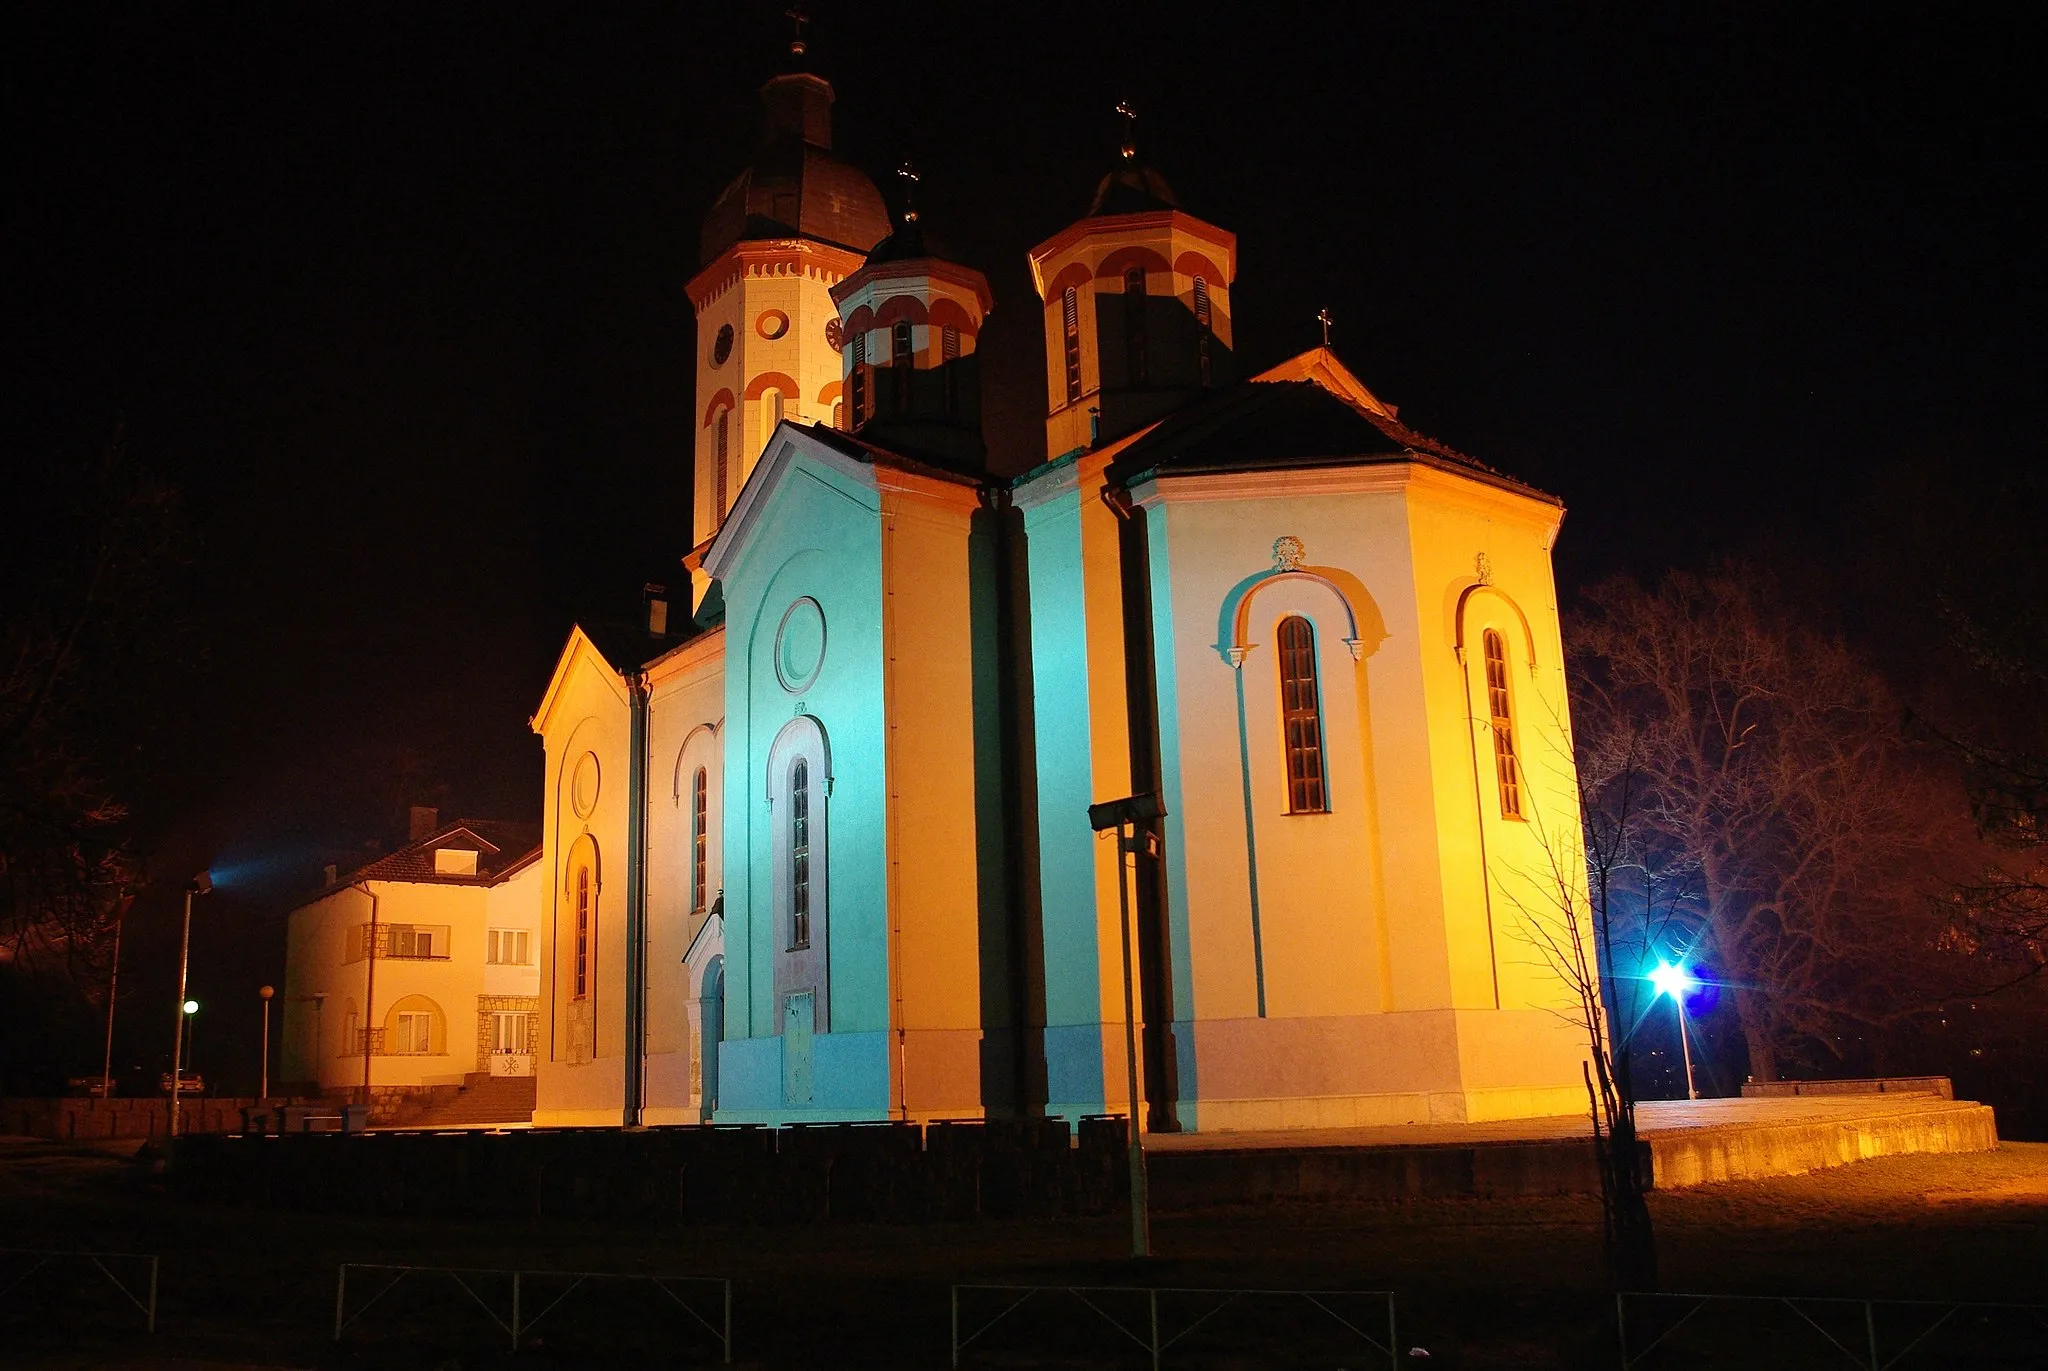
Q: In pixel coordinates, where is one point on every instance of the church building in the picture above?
(817, 844)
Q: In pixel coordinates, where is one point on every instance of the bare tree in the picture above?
(1773, 767)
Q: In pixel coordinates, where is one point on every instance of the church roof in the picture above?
(874, 454)
(502, 848)
(1279, 424)
(628, 647)
(1132, 188)
(794, 187)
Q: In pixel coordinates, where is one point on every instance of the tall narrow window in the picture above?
(900, 365)
(949, 353)
(859, 379)
(839, 414)
(1134, 327)
(1506, 769)
(1204, 324)
(700, 841)
(1070, 310)
(771, 412)
(721, 450)
(1301, 718)
(583, 912)
(800, 854)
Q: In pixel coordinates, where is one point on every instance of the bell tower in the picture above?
(908, 323)
(793, 224)
(1137, 307)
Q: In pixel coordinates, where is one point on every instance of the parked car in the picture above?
(189, 1083)
(95, 1086)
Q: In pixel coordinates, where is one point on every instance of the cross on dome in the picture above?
(1130, 117)
(795, 14)
(1323, 318)
(910, 179)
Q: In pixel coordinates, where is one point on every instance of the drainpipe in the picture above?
(369, 988)
(636, 902)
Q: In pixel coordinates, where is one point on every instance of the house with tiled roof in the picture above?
(416, 973)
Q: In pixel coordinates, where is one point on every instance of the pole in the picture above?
(1141, 1203)
(263, 1057)
(369, 992)
(1685, 1048)
(178, 1042)
(113, 986)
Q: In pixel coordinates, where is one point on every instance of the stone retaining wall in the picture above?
(84, 1118)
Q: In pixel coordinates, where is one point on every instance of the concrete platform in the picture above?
(1690, 1143)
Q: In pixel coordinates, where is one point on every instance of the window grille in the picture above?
(582, 957)
(1507, 769)
(701, 845)
(1135, 361)
(1070, 306)
(859, 379)
(800, 854)
(1301, 718)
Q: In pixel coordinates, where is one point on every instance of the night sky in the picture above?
(393, 295)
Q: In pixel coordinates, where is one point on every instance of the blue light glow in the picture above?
(1674, 981)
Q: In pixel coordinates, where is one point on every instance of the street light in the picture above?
(1127, 817)
(201, 884)
(263, 1069)
(1677, 982)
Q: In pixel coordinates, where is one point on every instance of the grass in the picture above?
(1511, 1283)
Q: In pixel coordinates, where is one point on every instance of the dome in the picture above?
(909, 243)
(794, 187)
(1133, 188)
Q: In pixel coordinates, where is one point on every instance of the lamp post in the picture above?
(263, 1058)
(1676, 981)
(201, 885)
(1127, 817)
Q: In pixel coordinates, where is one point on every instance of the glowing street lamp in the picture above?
(1677, 982)
(201, 884)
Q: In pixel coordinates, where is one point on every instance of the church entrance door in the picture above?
(799, 1021)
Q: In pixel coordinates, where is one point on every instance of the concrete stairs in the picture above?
(482, 1101)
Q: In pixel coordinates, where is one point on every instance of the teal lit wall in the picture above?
(818, 534)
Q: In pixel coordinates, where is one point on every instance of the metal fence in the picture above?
(534, 1295)
(141, 1294)
(1163, 1320)
(1752, 1331)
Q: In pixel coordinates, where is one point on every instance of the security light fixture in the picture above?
(1677, 982)
(191, 1006)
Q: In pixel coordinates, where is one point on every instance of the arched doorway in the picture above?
(712, 1030)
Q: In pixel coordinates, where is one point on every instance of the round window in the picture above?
(773, 324)
(583, 785)
(800, 645)
(721, 346)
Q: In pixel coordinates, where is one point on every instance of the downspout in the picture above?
(636, 901)
(369, 988)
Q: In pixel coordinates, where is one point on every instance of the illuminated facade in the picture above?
(819, 848)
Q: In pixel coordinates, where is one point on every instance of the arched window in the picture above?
(900, 364)
(700, 841)
(586, 911)
(859, 379)
(839, 414)
(1301, 718)
(1135, 364)
(800, 854)
(949, 353)
(721, 458)
(1202, 322)
(1506, 769)
(1070, 312)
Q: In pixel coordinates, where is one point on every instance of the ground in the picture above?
(1477, 1283)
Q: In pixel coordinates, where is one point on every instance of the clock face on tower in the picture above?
(834, 337)
(721, 346)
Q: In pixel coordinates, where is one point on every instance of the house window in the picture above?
(1070, 307)
(700, 841)
(721, 450)
(900, 365)
(415, 1034)
(403, 940)
(583, 916)
(800, 854)
(511, 1030)
(508, 947)
(1301, 718)
(1134, 327)
(1506, 769)
(859, 379)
